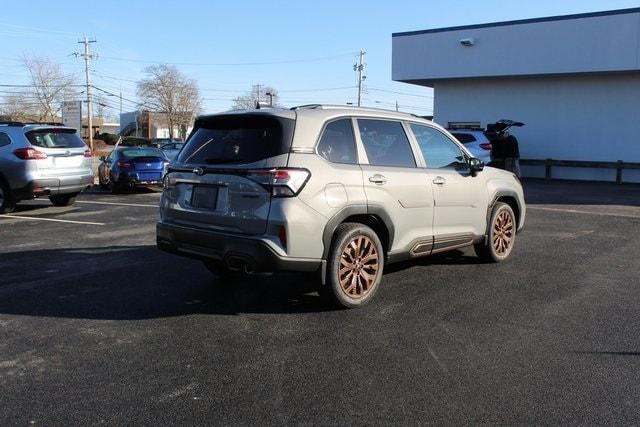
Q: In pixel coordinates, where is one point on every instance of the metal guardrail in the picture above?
(619, 166)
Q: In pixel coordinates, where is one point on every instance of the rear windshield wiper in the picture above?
(217, 160)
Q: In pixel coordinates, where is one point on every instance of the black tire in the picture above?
(113, 186)
(501, 235)
(63, 199)
(103, 185)
(354, 266)
(7, 204)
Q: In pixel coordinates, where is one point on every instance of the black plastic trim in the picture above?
(209, 245)
(348, 211)
(505, 193)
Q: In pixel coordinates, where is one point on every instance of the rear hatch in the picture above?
(66, 154)
(147, 163)
(220, 178)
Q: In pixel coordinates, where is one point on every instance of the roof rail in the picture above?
(16, 123)
(355, 107)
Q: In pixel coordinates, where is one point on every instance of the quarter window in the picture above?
(4, 139)
(385, 143)
(337, 143)
(438, 150)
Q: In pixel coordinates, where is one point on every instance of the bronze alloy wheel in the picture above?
(503, 230)
(359, 267)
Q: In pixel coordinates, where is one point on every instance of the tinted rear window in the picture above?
(464, 138)
(142, 152)
(237, 139)
(55, 138)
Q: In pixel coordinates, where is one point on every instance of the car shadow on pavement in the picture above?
(141, 282)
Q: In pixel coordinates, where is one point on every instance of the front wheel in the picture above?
(501, 234)
(63, 199)
(354, 267)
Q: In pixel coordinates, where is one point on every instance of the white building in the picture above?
(573, 80)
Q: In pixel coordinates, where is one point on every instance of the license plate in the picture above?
(68, 161)
(204, 197)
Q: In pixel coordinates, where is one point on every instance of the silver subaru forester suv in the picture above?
(42, 160)
(335, 190)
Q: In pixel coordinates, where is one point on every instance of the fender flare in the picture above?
(344, 213)
(494, 200)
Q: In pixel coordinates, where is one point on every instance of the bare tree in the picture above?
(168, 91)
(50, 86)
(257, 94)
(19, 107)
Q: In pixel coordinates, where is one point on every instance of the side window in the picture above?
(337, 143)
(4, 139)
(464, 138)
(438, 150)
(386, 143)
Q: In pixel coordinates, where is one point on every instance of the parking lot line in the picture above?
(119, 204)
(541, 208)
(34, 218)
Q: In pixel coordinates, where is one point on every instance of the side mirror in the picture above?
(475, 165)
(103, 158)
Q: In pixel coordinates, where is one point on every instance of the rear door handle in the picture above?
(438, 180)
(378, 179)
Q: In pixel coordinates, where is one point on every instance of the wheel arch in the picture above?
(510, 198)
(374, 217)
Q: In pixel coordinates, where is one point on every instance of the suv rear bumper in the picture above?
(53, 186)
(247, 254)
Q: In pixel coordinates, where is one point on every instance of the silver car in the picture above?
(42, 160)
(337, 191)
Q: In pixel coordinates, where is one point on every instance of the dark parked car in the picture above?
(128, 167)
(172, 149)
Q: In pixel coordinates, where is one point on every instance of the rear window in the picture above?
(142, 152)
(464, 138)
(55, 138)
(237, 139)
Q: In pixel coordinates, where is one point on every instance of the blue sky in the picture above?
(304, 49)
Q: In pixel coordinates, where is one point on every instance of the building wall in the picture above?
(588, 117)
(591, 44)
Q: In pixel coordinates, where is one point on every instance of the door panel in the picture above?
(407, 197)
(460, 198)
(393, 182)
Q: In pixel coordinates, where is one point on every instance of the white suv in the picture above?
(335, 190)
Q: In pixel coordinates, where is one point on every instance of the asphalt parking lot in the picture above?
(97, 326)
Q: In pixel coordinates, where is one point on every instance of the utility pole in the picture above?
(120, 103)
(258, 99)
(396, 105)
(359, 68)
(88, 56)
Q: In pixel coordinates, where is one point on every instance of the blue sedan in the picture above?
(128, 167)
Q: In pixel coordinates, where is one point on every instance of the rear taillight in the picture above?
(29, 154)
(282, 182)
(124, 165)
(485, 146)
(87, 153)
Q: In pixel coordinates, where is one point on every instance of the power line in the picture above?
(399, 93)
(232, 64)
